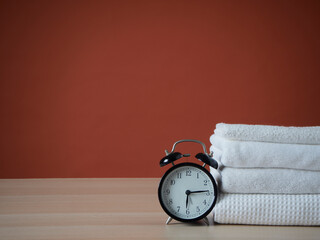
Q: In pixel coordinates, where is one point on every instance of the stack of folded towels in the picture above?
(269, 174)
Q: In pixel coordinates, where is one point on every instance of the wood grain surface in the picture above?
(114, 208)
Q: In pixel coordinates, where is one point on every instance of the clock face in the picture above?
(187, 192)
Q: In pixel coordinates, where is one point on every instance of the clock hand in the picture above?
(187, 200)
(199, 191)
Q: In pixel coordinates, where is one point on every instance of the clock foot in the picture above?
(168, 220)
(206, 221)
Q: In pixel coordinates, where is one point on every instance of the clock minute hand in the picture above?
(201, 191)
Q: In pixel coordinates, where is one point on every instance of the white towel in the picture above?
(267, 180)
(268, 209)
(264, 154)
(265, 133)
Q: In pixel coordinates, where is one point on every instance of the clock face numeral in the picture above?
(190, 179)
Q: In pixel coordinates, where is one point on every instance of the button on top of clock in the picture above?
(171, 157)
(207, 160)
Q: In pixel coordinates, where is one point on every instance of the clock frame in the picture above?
(170, 212)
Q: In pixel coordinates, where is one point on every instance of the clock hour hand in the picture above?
(187, 201)
(199, 191)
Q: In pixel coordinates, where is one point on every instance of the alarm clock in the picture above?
(187, 191)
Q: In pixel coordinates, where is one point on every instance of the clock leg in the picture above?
(168, 220)
(206, 221)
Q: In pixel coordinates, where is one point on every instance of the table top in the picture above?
(114, 208)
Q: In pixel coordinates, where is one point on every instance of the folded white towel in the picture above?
(264, 154)
(265, 133)
(267, 180)
(268, 209)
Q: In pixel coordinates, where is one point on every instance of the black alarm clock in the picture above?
(187, 191)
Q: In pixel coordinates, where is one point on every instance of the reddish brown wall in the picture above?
(100, 88)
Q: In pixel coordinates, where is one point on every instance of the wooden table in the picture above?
(109, 209)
